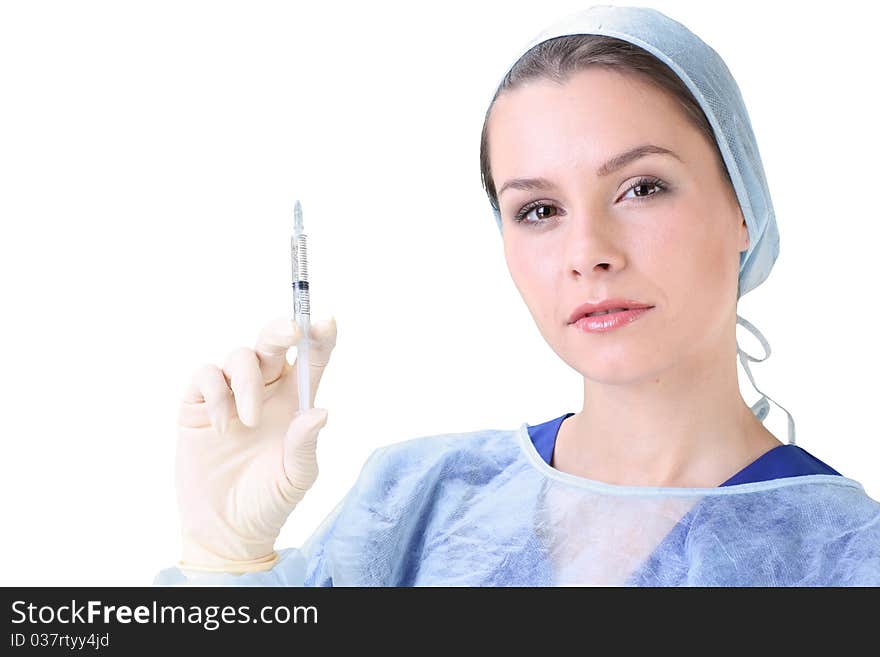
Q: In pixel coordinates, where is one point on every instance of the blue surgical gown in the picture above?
(485, 508)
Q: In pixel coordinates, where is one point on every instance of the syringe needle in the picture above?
(297, 217)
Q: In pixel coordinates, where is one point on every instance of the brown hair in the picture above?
(558, 58)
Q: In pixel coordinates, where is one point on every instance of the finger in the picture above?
(300, 462)
(207, 399)
(279, 335)
(323, 340)
(242, 370)
(274, 341)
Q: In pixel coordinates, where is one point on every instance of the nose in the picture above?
(593, 244)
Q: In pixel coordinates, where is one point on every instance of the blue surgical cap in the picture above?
(712, 85)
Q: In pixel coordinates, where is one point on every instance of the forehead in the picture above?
(597, 112)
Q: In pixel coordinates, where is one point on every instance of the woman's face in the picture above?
(673, 242)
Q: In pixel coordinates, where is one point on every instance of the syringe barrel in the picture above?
(300, 274)
(299, 257)
(301, 303)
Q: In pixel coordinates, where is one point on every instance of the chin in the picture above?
(620, 365)
(616, 376)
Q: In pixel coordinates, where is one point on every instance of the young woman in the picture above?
(624, 175)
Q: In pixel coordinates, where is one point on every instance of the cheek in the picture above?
(684, 245)
(688, 257)
(532, 272)
(662, 251)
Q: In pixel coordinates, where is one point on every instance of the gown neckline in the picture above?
(809, 469)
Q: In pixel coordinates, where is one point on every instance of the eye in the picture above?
(641, 187)
(527, 209)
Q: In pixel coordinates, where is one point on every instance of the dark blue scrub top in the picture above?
(781, 461)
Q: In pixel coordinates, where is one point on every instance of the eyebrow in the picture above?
(610, 166)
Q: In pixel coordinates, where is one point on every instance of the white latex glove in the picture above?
(236, 487)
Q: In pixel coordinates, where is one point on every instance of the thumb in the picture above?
(304, 427)
(300, 444)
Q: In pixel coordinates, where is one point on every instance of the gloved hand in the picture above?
(245, 453)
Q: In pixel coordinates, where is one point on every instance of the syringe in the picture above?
(301, 314)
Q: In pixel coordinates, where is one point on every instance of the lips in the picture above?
(609, 321)
(606, 306)
(605, 312)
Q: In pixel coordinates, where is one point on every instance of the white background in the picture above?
(150, 154)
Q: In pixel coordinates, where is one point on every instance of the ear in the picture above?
(744, 240)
